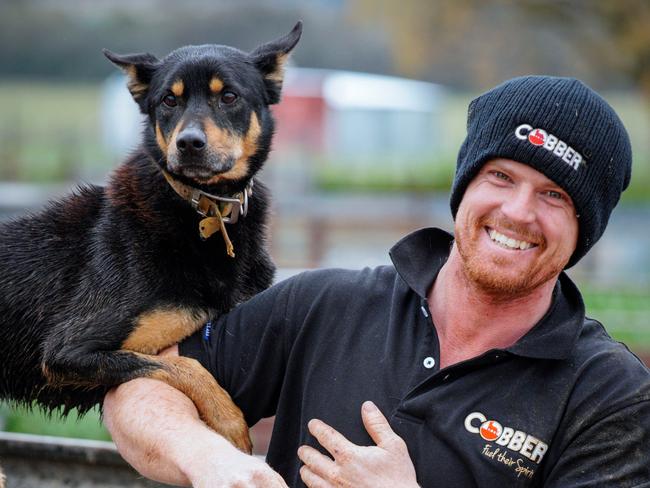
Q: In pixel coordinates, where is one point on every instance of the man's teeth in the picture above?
(509, 242)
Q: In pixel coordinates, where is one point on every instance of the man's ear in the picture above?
(139, 68)
(270, 59)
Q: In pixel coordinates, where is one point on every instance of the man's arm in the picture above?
(158, 431)
(612, 452)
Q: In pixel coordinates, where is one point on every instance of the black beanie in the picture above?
(561, 128)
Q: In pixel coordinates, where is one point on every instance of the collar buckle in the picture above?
(238, 203)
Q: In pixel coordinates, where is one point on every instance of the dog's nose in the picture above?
(191, 141)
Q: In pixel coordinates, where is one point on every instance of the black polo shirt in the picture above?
(565, 406)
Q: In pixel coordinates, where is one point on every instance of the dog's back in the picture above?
(43, 260)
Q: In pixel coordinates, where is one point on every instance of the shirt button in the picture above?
(429, 362)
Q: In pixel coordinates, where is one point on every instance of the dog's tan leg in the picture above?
(214, 404)
(154, 331)
(162, 327)
(2, 479)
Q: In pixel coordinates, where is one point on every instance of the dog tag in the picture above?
(209, 225)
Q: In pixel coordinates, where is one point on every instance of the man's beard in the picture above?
(488, 273)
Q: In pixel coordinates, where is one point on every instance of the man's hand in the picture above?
(385, 465)
(237, 470)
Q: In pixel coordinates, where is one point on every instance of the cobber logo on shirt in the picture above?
(539, 137)
(512, 439)
(490, 430)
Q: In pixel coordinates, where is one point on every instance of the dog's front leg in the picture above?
(213, 402)
(80, 364)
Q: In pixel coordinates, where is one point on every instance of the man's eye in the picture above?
(170, 100)
(555, 194)
(501, 176)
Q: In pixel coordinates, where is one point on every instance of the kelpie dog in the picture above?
(93, 286)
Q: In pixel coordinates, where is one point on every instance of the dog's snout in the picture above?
(191, 141)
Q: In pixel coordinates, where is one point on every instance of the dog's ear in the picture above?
(270, 59)
(139, 68)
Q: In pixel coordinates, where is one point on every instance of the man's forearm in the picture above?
(156, 429)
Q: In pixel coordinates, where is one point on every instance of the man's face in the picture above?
(515, 229)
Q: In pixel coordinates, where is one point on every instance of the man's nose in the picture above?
(521, 207)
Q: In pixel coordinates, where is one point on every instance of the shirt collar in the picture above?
(419, 256)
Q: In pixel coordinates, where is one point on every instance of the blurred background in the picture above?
(372, 117)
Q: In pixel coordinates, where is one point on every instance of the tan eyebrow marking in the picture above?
(216, 85)
(178, 87)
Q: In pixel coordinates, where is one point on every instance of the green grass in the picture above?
(49, 132)
(623, 312)
(432, 175)
(34, 421)
(424, 175)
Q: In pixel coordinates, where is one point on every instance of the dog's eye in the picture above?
(169, 100)
(228, 98)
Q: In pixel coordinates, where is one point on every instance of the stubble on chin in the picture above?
(489, 273)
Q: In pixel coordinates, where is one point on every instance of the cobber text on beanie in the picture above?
(561, 128)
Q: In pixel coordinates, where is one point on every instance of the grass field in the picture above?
(53, 132)
(50, 132)
(624, 313)
(36, 422)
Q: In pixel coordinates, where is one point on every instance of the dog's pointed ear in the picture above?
(270, 60)
(139, 68)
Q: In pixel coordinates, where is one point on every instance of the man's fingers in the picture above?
(312, 480)
(317, 462)
(377, 425)
(335, 443)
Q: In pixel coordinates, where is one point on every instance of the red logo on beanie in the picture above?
(537, 137)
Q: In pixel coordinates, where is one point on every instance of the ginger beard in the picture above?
(504, 274)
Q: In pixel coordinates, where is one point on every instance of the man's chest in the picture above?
(486, 422)
(488, 427)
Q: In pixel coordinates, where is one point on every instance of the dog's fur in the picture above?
(96, 284)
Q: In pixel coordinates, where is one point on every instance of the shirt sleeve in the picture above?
(246, 349)
(612, 452)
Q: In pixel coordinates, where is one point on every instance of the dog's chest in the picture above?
(203, 273)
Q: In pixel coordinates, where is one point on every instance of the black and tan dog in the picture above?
(93, 286)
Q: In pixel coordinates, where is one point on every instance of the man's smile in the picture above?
(508, 242)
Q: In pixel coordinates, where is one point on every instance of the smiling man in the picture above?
(480, 365)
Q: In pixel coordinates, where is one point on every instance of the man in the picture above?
(476, 348)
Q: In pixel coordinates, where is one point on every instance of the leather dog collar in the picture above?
(217, 210)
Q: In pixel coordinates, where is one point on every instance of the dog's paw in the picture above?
(236, 431)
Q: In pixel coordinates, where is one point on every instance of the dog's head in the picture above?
(207, 107)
